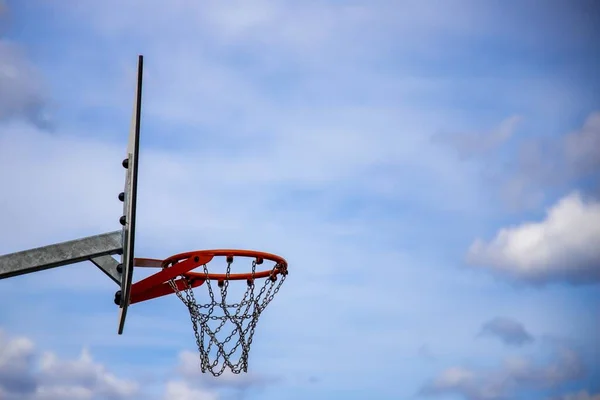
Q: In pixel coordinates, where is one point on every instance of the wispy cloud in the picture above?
(582, 147)
(479, 144)
(21, 91)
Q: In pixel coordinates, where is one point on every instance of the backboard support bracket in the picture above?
(109, 266)
(98, 249)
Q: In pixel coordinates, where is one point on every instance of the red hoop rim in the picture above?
(258, 255)
(181, 264)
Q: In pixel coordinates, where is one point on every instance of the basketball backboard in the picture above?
(129, 198)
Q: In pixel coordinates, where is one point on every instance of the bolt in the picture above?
(118, 298)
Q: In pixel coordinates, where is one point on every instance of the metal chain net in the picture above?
(217, 351)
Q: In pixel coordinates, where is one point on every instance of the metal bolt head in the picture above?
(125, 163)
(122, 196)
(123, 220)
(118, 298)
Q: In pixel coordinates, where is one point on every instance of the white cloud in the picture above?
(515, 376)
(26, 375)
(565, 246)
(16, 361)
(83, 371)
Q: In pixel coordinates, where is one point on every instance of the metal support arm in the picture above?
(96, 248)
(109, 266)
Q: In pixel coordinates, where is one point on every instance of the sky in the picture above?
(429, 169)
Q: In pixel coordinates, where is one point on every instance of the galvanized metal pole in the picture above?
(96, 248)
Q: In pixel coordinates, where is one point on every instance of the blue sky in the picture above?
(427, 168)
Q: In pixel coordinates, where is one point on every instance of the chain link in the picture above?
(243, 315)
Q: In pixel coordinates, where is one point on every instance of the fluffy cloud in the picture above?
(16, 362)
(508, 330)
(27, 375)
(564, 247)
(516, 375)
(85, 375)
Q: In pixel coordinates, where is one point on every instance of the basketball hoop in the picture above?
(218, 350)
